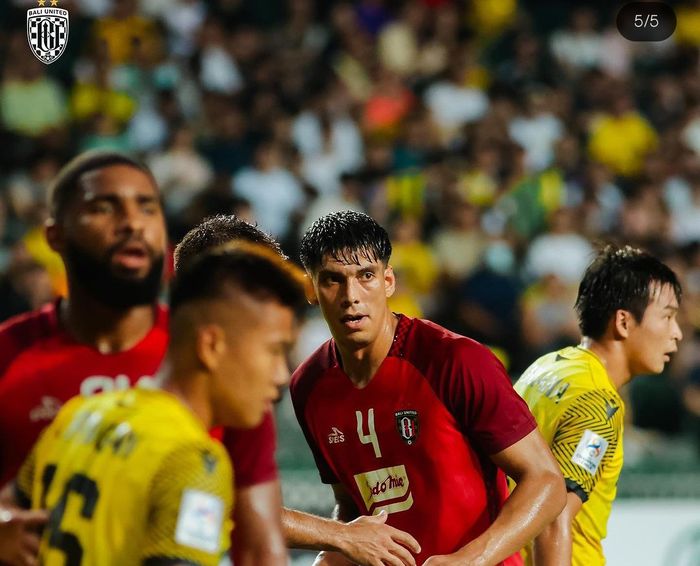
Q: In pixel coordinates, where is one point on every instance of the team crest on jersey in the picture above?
(47, 31)
(408, 426)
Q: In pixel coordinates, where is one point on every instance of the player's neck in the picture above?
(611, 353)
(188, 389)
(105, 328)
(361, 364)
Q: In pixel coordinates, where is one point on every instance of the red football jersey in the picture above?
(415, 441)
(42, 366)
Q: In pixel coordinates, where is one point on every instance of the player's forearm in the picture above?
(534, 503)
(553, 545)
(264, 551)
(303, 530)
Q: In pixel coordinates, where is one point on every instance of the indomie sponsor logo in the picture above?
(391, 482)
(385, 489)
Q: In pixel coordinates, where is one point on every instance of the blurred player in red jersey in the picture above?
(107, 223)
(406, 417)
(365, 540)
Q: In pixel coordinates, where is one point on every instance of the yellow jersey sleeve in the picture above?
(24, 482)
(586, 438)
(24, 488)
(190, 507)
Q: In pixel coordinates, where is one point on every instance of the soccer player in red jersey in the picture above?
(364, 541)
(107, 223)
(406, 417)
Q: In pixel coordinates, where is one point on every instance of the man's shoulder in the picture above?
(24, 331)
(429, 341)
(568, 375)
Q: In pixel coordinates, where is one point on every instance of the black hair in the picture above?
(620, 278)
(345, 236)
(251, 268)
(67, 182)
(217, 230)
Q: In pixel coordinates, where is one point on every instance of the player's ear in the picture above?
(211, 345)
(54, 235)
(622, 323)
(309, 289)
(389, 281)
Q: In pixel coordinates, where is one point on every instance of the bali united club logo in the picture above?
(407, 425)
(47, 31)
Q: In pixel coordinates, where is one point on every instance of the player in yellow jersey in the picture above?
(133, 477)
(627, 305)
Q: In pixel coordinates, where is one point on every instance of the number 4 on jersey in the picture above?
(370, 438)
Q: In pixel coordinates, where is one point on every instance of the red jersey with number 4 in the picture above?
(42, 367)
(415, 441)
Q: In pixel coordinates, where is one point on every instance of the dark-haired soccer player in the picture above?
(133, 477)
(258, 539)
(107, 224)
(627, 305)
(364, 541)
(408, 418)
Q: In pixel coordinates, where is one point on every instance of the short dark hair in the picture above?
(65, 185)
(620, 278)
(251, 268)
(220, 229)
(345, 236)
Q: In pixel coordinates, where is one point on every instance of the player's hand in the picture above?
(367, 541)
(19, 541)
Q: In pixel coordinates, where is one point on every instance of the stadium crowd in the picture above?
(498, 141)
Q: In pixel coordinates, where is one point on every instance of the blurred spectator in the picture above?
(388, 104)
(348, 198)
(579, 45)
(548, 315)
(31, 103)
(180, 171)
(273, 192)
(561, 251)
(398, 43)
(218, 69)
(622, 138)
(537, 130)
(685, 221)
(452, 101)
(486, 303)
(413, 259)
(25, 286)
(125, 29)
(459, 244)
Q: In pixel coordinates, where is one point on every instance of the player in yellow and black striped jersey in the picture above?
(133, 477)
(627, 305)
(139, 454)
(580, 415)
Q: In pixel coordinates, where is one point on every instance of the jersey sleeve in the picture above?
(253, 452)
(586, 439)
(24, 482)
(300, 390)
(190, 507)
(482, 399)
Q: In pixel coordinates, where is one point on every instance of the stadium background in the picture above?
(499, 142)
